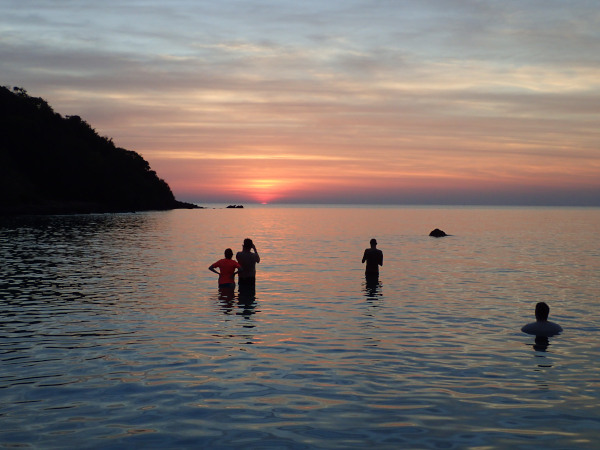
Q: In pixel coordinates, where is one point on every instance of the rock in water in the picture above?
(437, 233)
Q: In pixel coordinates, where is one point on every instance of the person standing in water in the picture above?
(374, 258)
(542, 327)
(248, 258)
(228, 268)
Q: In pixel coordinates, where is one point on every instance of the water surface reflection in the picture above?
(244, 300)
(372, 287)
(112, 334)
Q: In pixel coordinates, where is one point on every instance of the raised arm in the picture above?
(256, 253)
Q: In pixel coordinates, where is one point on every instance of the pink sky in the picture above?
(401, 102)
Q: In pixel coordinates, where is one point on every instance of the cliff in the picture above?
(53, 164)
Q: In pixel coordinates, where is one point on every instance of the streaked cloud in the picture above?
(350, 98)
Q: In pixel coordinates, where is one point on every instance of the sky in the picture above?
(383, 102)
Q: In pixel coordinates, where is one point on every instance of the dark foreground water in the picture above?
(113, 333)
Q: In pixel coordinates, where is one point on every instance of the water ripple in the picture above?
(113, 334)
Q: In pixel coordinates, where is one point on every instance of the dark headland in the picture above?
(51, 164)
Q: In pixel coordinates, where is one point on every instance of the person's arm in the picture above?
(364, 257)
(212, 269)
(381, 259)
(256, 253)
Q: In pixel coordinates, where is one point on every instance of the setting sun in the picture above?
(264, 190)
(391, 103)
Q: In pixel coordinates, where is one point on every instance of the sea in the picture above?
(114, 334)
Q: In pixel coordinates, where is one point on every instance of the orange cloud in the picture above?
(292, 109)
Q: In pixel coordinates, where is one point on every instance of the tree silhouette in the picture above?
(50, 163)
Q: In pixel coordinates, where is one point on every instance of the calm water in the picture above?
(113, 333)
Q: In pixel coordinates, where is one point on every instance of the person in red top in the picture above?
(227, 270)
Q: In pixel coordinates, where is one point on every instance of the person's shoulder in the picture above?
(554, 326)
(529, 328)
(542, 328)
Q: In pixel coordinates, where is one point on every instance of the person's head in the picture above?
(373, 242)
(541, 311)
(228, 253)
(248, 244)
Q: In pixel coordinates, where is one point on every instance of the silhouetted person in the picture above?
(227, 270)
(374, 258)
(248, 258)
(542, 327)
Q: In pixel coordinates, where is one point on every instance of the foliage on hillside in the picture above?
(50, 163)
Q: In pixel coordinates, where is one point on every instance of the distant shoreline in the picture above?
(217, 205)
(65, 208)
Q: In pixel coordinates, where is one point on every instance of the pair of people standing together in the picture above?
(244, 267)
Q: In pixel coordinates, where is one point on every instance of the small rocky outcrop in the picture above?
(437, 233)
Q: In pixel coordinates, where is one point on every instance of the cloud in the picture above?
(433, 90)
